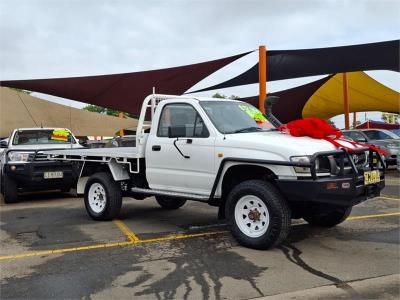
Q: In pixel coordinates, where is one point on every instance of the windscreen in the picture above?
(380, 135)
(234, 116)
(42, 137)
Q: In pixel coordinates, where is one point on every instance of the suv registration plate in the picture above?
(52, 175)
(371, 177)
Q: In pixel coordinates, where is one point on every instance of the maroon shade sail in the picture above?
(126, 91)
(291, 101)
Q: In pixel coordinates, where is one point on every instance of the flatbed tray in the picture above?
(117, 152)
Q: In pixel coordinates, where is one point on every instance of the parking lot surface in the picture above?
(51, 249)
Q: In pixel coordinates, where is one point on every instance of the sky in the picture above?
(62, 38)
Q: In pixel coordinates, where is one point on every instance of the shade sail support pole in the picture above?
(346, 102)
(354, 120)
(262, 77)
(121, 131)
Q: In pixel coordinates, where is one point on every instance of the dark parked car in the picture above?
(384, 139)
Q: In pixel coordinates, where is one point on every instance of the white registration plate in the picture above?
(52, 175)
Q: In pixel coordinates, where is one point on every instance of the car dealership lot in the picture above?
(50, 248)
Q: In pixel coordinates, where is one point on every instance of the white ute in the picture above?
(227, 154)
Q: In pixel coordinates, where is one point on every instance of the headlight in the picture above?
(392, 146)
(303, 160)
(18, 156)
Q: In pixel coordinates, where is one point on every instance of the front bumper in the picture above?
(345, 187)
(391, 158)
(344, 191)
(30, 176)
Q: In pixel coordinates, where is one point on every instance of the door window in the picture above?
(357, 136)
(182, 115)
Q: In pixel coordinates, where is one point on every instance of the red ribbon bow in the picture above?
(320, 129)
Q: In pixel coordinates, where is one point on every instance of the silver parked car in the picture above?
(384, 139)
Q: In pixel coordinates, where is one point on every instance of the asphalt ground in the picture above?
(51, 249)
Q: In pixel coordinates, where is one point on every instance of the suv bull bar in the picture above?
(345, 189)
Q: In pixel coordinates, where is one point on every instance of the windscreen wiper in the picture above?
(248, 129)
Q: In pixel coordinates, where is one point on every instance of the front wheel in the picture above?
(327, 217)
(258, 214)
(10, 189)
(170, 203)
(103, 197)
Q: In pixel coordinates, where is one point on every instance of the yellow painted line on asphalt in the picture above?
(108, 245)
(66, 250)
(373, 216)
(127, 231)
(175, 237)
(137, 241)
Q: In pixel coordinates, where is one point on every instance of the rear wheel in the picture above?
(327, 217)
(258, 214)
(10, 189)
(170, 203)
(103, 197)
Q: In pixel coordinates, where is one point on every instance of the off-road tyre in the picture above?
(328, 217)
(10, 189)
(278, 211)
(170, 203)
(113, 197)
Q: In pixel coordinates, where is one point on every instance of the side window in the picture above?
(348, 134)
(358, 136)
(352, 135)
(182, 115)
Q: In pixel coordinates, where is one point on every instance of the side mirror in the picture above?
(82, 142)
(176, 131)
(3, 144)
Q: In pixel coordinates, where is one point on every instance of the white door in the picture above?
(187, 166)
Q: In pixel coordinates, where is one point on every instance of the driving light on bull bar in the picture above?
(302, 160)
(18, 156)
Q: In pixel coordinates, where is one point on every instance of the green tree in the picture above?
(21, 91)
(222, 96)
(101, 110)
(331, 122)
(357, 123)
(108, 111)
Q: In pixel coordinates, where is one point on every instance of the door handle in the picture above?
(156, 148)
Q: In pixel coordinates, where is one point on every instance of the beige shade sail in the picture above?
(20, 110)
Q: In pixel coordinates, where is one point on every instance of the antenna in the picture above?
(27, 109)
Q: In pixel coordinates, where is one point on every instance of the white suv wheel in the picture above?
(252, 216)
(97, 197)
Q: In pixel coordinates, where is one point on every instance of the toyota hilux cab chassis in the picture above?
(226, 153)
